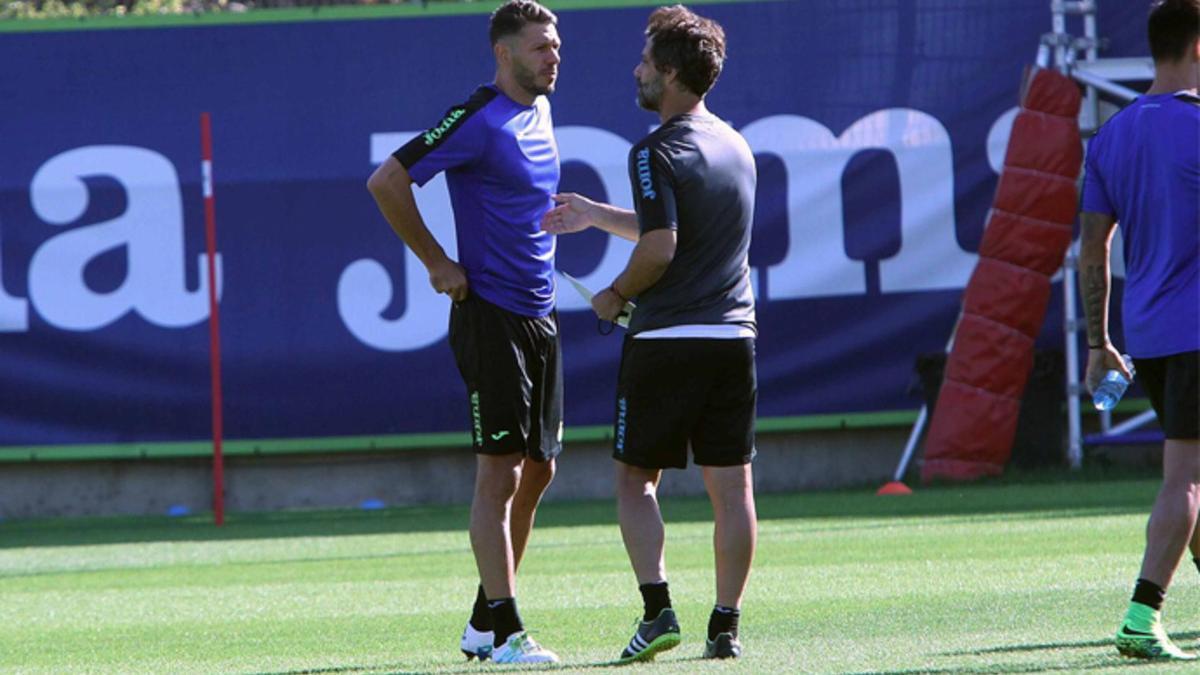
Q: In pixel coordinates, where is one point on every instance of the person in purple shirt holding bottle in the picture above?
(501, 163)
(1143, 173)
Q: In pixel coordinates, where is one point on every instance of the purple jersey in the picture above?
(501, 164)
(1143, 169)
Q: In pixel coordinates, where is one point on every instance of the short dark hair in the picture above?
(691, 45)
(1173, 28)
(511, 17)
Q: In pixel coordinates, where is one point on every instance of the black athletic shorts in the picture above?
(672, 392)
(1171, 383)
(513, 371)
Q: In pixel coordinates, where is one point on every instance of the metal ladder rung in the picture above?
(1119, 69)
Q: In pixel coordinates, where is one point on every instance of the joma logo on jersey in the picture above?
(440, 130)
(643, 172)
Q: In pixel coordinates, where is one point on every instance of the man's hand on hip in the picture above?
(448, 277)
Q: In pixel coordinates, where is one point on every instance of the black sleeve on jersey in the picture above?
(411, 152)
(652, 179)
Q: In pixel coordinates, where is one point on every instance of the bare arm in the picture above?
(653, 254)
(392, 188)
(575, 213)
(1095, 241)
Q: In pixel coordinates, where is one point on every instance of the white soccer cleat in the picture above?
(520, 648)
(476, 644)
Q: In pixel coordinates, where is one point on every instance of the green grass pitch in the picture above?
(983, 579)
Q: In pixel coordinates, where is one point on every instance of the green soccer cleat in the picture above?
(652, 637)
(1142, 636)
(726, 646)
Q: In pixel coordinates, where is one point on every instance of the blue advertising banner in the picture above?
(878, 125)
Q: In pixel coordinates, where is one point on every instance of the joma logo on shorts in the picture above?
(622, 408)
(643, 172)
(475, 419)
(440, 130)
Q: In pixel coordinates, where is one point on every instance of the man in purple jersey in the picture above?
(1143, 173)
(501, 163)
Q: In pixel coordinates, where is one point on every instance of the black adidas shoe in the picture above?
(652, 637)
(726, 646)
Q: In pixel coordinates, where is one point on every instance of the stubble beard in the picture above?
(649, 95)
(527, 80)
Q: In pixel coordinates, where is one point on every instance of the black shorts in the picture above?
(672, 392)
(1171, 383)
(513, 371)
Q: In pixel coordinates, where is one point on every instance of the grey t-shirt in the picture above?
(696, 175)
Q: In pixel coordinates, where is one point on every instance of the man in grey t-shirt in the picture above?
(687, 367)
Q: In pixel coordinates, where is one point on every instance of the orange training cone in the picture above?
(894, 488)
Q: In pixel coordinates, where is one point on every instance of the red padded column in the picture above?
(1004, 305)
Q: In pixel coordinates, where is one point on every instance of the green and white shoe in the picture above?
(652, 637)
(520, 648)
(1142, 636)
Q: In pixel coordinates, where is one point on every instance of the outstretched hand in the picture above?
(573, 213)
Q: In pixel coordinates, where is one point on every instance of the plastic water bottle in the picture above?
(1112, 387)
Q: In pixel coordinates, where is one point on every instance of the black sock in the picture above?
(655, 598)
(723, 620)
(1149, 593)
(505, 619)
(481, 617)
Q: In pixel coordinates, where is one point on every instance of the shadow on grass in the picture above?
(1009, 649)
(1107, 661)
(1078, 666)
(1104, 662)
(390, 669)
(469, 667)
(596, 665)
(1056, 495)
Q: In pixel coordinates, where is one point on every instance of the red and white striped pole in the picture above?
(214, 322)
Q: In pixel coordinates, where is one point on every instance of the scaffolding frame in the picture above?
(1061, 50)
